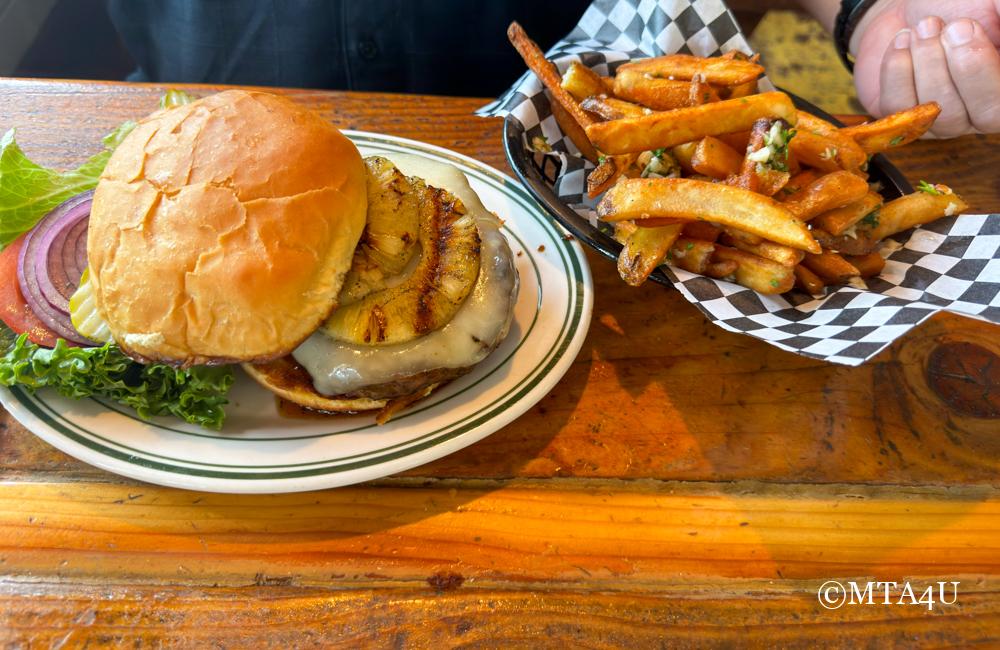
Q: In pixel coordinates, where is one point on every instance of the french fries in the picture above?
(702, 230)
(838, 220)
(930, 203)
(719, 70)
(894, 130)
(609, 169)
(831, 267)
(734, 149)
(797, 183)
(692, 255)
(868, 265)
(848, 154)
(808, 281)
(658, 94)
(701, 93)
(826, 193)
(859, 242)
(581, 82)
(825, 153)
(644, 250)
(757, 273)
(671, 128)
(571, 128)
(713, 157)
(682, 198)
(568, 111)
(613, 109)
(784, 255)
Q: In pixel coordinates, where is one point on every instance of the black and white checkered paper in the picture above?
(952, 264)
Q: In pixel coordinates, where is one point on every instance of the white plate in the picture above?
(259, 451)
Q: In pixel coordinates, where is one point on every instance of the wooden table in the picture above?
(681, 484)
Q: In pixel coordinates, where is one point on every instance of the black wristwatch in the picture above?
(851, 13)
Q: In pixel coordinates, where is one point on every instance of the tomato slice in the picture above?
(14, 309)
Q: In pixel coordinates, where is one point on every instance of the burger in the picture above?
(243, 228)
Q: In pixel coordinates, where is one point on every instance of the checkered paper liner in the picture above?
(951, 264)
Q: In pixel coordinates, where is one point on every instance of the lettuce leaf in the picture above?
(29, 191)
(174, 97)
(196, 395)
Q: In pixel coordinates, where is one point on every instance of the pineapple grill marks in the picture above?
(381, 307)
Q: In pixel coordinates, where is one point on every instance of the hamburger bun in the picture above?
(221, 230)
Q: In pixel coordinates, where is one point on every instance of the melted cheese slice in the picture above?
(339, 368)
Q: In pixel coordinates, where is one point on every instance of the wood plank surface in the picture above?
(681, 486)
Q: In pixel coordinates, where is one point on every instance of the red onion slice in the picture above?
(33, 268)
(75, 239)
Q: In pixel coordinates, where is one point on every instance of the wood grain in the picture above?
(751, 615)
(606, 535)
(681, 486)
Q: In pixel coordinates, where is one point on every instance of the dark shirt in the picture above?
(448, 47)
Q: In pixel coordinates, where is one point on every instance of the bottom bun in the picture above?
(287, 379)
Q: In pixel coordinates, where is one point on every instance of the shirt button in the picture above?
(368, 49)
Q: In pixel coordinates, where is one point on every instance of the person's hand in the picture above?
(913, 51)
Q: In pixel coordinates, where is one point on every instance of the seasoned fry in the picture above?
(917, 208)
(671, 128)
(575, 133)
(808, 281)
(825, 153)
(644, 250)
(659, 94)
(684, 154)
(894, 130)
(869, 265)
(860, 242)
(849, 155)
(701, 230)
(826, 193)
(721, 270)
(838, 220)
(701, 92)
(569, 111)
(747, 238)
(609, 169)
(757, 273)
(613, 109)
(581, 82)
(764, 168)
(738, 141)
(718, 70)
(831, 267)
(713, 157)
(683, 198)
(797, 183)
(742, 90)
(659, 222)
(784, 255)
(692, 255)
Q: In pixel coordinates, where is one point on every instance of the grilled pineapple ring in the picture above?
(389, 240)
(429, 295)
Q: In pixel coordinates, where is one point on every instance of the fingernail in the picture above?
(902, 40)
(929, 27)
(959, 32)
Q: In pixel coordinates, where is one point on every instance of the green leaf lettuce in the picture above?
(196, 395)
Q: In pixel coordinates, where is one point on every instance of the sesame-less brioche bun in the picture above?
(221, 230)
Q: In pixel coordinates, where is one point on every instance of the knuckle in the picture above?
(986, 119)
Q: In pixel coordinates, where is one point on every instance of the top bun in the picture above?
(221, 230)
